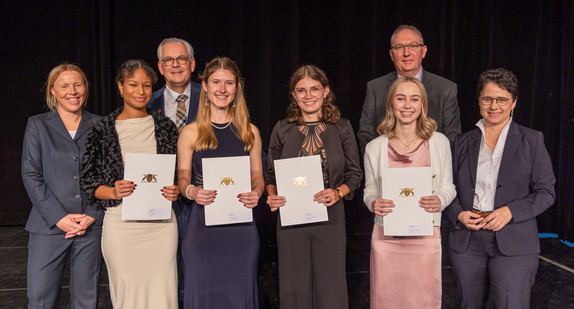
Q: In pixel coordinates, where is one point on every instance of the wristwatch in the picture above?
(341, 194)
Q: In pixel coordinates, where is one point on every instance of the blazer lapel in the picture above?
(473, 151)
(85, 124)
(508, 155)
(56, 122)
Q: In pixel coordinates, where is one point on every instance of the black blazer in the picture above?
(51, 170)
(525, 185)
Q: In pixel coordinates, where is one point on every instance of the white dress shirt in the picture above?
(170, 106)
(487, 169)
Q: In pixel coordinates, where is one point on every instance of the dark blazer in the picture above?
(103, 165)
(442, 102)
(525, 185)
(342, 156)
(156, 103)
(51, 170)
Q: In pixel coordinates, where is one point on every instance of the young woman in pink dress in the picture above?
(406, 270)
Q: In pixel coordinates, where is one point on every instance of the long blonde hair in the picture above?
(237, 110)
(425, 125)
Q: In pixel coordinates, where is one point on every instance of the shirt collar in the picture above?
(418, 76)
(171, 96)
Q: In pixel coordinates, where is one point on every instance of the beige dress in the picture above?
(140, 255)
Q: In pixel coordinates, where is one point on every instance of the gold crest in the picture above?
(227, 181)
(406, 192)
(148, 178)
(300, 181)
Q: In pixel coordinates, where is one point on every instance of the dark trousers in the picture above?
(482, 268)
(47, 257)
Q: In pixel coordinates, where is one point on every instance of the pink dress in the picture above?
(406, 270)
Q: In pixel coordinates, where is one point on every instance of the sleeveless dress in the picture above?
(140, 255)
(220, 261)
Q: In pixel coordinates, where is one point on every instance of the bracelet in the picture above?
(186, 194)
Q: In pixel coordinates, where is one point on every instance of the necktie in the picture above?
(181, 116)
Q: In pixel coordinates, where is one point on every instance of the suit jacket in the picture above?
(376, 158)
(342, 157)
(525, 185)
(156, 103)
(51, 170)
(442, 105)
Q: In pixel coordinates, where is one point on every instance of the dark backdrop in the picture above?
(269, 39)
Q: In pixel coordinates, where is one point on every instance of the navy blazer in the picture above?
(442, 105)
(51, 170)
(525, 185)
(157, 103)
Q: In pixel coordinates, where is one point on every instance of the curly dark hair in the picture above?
(128, 67)
(329, 112)
(504, 78)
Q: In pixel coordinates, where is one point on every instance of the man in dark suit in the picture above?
(178, 100)
(176, 63)
(407, 52)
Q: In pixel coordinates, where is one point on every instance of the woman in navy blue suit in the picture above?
(504, 179)
(61, 224)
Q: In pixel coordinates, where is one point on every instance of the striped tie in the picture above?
(181, 117)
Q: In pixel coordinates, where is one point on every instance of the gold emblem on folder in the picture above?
(227, 181)
(149, 178)
(406, 192)
(300, 181)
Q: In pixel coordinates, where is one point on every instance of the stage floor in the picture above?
(554, 287)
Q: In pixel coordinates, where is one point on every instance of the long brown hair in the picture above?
(425, 125)
(329, 112)
(239, 114)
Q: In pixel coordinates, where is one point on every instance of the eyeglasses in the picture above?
(412, 47)
(487, 101)
(302, 92)
(182, 60)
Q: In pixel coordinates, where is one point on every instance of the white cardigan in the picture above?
(376, 158)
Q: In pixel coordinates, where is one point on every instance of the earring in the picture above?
(512, 113)
(233, 105)
(206, 103)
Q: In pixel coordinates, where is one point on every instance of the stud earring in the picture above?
(512, 113)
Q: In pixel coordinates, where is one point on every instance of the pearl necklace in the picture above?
(220, 128)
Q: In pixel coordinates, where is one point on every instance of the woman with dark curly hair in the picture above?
(140, 255)
(504, 179)
(312, 256)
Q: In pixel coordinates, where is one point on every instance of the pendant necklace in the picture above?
(406, 145)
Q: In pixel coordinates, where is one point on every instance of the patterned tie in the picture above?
(181, 117)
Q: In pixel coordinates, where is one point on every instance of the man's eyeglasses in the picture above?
(487, 101)
(182, 60)
(302, 92)
(400, 48)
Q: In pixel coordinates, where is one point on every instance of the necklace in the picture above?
(487, 144)
(220, 128)
(406, 145)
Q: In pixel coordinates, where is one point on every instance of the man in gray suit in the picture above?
(407, 53)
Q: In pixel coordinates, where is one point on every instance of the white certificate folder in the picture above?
(151, 172)
(405, 186)
(298, 180)
(230, 176)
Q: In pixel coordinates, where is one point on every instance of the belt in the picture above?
(483, 214)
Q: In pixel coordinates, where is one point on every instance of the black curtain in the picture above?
(270, 39)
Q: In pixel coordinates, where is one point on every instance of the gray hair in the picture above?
(174, 40)
(404, 27)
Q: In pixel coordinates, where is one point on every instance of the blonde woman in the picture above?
(220, 261)
(402, 267)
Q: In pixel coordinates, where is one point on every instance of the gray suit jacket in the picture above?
(51, 169)
(525, 185)
(443, 106)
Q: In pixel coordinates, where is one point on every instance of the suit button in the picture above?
(78, 196)
(433, 176)
(432, 191)
(76, 177)
(75, 158)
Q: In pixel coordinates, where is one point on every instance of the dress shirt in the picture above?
(418, 76)
(170, 105)
(487, 169)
